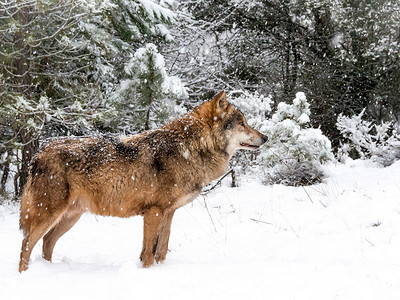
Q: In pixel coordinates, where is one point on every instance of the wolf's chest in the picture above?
(185, 200)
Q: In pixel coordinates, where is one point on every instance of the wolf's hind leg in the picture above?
(151, 226)
(163, 236)
(37, 230)
(50, 239)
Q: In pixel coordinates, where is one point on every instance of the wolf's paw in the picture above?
(147, 260)
(160, 258)
(23, 265)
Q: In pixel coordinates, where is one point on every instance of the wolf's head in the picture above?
(228, 126)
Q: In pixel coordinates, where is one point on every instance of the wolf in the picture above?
(149, 174)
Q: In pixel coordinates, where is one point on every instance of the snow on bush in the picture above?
(255, 107)
(380, 143)
(294, 153)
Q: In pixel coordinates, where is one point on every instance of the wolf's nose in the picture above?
(264, 138)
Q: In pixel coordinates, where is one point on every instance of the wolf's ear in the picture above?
(220, 102)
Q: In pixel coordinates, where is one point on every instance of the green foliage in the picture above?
(149, 97)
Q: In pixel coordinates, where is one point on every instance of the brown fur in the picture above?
(150, 174)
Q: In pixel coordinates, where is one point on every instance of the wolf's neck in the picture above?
(205, 151)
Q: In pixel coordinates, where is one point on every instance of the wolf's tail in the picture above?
(26, 203)
(45, 194)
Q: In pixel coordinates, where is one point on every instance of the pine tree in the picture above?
(149, 97)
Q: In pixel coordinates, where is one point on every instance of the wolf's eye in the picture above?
(242, 123)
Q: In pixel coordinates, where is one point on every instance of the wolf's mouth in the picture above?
(249, 145)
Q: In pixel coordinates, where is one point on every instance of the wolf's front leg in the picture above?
(163, 235)
(151, 227)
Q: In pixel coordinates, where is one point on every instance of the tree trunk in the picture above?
(233, 175)
(6, 172)
(30, 147)
(147, 122)
(23, 80)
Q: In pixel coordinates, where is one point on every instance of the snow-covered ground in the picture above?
(336, 240)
